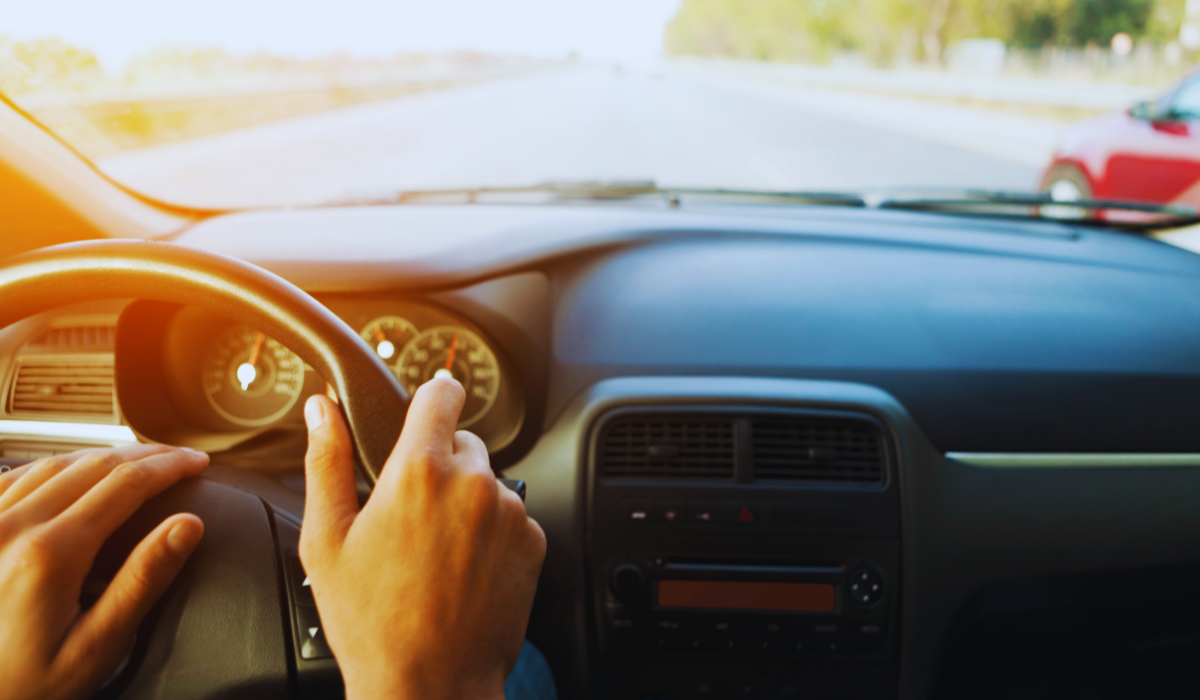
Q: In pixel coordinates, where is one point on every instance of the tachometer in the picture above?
(464, 355)
(388, 335)
(251, 379)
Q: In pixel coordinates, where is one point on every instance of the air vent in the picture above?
(64, 387)
(92, 338)
(658, 447)
(810, 449)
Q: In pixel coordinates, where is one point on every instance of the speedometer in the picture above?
(388, 335)
(464, 355)
(251, 379)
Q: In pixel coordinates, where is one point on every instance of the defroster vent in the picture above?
(684, 447)
(64, 387)
(811, 449)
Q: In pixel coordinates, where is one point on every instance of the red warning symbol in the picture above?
(745, 516)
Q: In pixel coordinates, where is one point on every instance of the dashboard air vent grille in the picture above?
(680, 448)
(810, 449)
(64, 387)
(78, 337)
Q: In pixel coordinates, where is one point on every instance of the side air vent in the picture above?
(810, 449)
(92, 338)
(673, 447)
(64, 387)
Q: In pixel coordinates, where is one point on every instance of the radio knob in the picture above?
(627, 583)
(865, 587)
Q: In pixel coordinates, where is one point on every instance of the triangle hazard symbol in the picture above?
(745, 516)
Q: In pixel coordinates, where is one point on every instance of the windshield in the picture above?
(253, 103)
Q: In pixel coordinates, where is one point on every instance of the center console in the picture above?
(742, 551)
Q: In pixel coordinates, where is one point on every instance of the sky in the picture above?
(628, 30)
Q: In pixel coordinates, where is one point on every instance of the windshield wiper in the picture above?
(615, 190)
(1023, 205)
(1042, 205)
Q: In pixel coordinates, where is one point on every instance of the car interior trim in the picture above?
(58, 429)
(1074, 460)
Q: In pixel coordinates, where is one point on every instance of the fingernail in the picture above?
(193, 451)
(314, 413)
(182, 538)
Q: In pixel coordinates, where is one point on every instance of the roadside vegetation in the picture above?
(1139, 41)
(174, 94)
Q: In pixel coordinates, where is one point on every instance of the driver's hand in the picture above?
(55, 514)
(424, 593)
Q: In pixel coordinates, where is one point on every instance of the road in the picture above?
(679, 126)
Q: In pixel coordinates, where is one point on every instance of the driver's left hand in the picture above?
(55, 514)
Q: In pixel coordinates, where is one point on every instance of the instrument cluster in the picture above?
(235, 378)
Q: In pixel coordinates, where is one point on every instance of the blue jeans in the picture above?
(530, 678)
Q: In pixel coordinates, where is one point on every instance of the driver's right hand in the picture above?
(426, 591)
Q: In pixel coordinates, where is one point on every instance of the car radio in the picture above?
(738, 550)
(761, 611)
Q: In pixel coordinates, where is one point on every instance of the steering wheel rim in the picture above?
(371, 399)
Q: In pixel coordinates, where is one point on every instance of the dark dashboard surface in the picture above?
(951, 334)
(995, 335)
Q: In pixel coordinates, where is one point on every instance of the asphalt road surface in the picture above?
(678, 126)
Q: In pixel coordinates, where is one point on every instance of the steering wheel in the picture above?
(224, 629)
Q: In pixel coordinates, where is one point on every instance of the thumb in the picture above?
(331, 499)
(103, 635)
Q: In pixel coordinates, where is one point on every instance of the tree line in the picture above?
(890, 31)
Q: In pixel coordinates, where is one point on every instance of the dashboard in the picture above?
(949, 449)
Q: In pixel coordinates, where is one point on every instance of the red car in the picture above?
(1149, 153)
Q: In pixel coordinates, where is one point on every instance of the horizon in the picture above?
(622, 30)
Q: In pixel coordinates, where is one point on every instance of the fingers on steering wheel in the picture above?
(122, 490)
(433, 418)
(53, 486)
(10, 477)
(26, 479)
(427, 441)
(331, 497)
(103, 635)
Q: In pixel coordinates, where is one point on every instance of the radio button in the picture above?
(705, 514)
(669, 514)
(669, 642)
(636, 512)
(771, 645)
(763, 626)
(628, 583)
(865, 587)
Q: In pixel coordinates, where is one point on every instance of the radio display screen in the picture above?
(747, 595)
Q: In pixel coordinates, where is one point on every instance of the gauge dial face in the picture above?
(388, 336)
(251, 379)
(467, 358)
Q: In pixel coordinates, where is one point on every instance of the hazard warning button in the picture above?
(745, 514)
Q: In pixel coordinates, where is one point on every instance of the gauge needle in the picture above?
(248, 371)
(453, 349)
(384, 347)
(258, 341)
